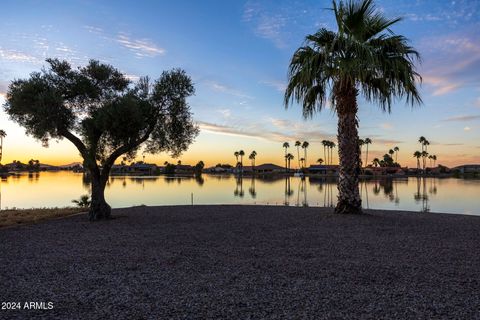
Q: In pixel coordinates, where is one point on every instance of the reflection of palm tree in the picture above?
(239, 187)
(252, 190)
(288, 190)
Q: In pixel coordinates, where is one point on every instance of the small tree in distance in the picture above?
(104, 115)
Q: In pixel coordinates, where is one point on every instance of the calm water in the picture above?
(50, 189)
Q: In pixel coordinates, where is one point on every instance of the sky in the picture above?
(237, 54)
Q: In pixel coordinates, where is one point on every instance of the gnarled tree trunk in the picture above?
(99, 208)
(349, 200)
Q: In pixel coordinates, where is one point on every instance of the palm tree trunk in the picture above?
(366, 157)
(298, 156)
(325, 155)
(349, 200)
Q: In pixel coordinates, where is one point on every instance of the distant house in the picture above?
(219, 169)
(262, 169)
(183, 168)
(468, 168)
(323, 169)
(134, 169)
(386, 170)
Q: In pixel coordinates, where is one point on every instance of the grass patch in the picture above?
(12, 217)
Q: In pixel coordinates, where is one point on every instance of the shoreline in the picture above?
(238, 262)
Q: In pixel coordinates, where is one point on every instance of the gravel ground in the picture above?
(244, 262)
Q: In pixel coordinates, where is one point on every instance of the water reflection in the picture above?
(49, 189)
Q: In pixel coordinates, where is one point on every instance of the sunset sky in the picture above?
(237, 53)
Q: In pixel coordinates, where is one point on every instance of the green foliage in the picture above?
(363, 53)
(199, 167)
(83, 201)
(170, 168)
(111, 116)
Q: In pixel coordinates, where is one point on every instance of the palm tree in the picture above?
(331, 145)
(325, 144)
(236, 154)
(434, 157)
(302, 161)
(2, 135)
(289, 157)
(376, 162)
(305, 145)
(417, 154)
(363, 56)
(396, 149)
(391, 152)
(430, 157)
(320, 161)
(241, 153)
(361, 142)
(286, 145)
(367, 142)
(424, 158)
(298, 144)
(252, 156)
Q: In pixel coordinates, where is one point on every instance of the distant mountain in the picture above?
(73, 164)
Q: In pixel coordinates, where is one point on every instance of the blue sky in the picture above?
(237, 53)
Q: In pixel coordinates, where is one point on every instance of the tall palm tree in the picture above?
(362, 56)
(241, 153)
(252, 156)
(391, 152)
(424, 159)
(325, 144)
(417, 154)
(434, 157)
(367, 142)
(331, 145)
(289, 157)
(236, 154)
(430, 157)
(298, 144)
(3, 134)
(305, 145)
(286, 145)
(426, 143)
(396, 149)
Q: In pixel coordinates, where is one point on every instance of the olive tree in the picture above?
(104, 115)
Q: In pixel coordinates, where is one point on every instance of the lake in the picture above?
(58, 189)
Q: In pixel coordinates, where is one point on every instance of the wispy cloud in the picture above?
(141, 47)
(462, 118)
(273, 132)
(454, 63)
(17, 56)
(280, 86)
(467, 129)
(386, 126)
(218, 87)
